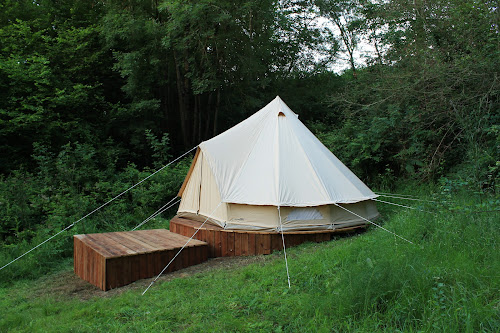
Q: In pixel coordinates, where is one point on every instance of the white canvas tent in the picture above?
(271, 160)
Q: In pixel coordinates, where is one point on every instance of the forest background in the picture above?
(95, 95)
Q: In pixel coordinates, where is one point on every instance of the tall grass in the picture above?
(373, 282)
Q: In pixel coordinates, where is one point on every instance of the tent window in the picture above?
(304, 214)
(281, 114)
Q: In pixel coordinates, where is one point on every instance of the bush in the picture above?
(65, 187)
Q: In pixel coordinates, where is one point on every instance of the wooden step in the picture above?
(114, 259)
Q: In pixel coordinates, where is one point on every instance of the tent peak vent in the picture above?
(281, 114)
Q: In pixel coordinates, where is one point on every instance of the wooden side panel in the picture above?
(238, 243)
(87, 263)
(230, 244)
(243, 251)
(252, 249)
(218, 244)
(211, 243)
(263, 243)
(77, 262)
(224, 246)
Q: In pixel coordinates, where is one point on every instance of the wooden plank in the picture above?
(76, 256)
(177, 263)
(224, 246)
(117, 240)
(91, 261)
(238, 243)
(251, 244)
(160, 239)
(230, 243)
(218, 244)
(195, 256)
(277, 242)
(102, 244)
(263, 243)
(135, 239)
(85, 262)
(244, 244)
(111, 276)
(201, 254)
(163, 261)
(292, 240)
(184, 230)
(185, 256)
(202, 235)
(171, 240)
(151, 264)
(153, 237)
(106, 246)
(211, 243)
(166, 240)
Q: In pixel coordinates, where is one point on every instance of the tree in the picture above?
(184, 61)
(346, 17)
(436, 84)
(52, 71)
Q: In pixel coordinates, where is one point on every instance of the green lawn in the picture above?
(447, 282)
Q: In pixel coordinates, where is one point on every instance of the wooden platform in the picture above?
(226, 243)
(114, 259)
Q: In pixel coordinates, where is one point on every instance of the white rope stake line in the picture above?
(400, 195)
(375, 224)
(284, 248)
(158, 212)
(101, 206)
(165, 209)
(395, 204)
(182, 248)
(45, 241)
(404, 198)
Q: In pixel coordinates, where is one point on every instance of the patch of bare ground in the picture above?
(67, 284)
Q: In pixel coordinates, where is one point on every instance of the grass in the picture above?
(374, 282)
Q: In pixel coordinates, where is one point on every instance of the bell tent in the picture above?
(239, 178)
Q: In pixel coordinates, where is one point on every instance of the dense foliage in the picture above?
(94, 95)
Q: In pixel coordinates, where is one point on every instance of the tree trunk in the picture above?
(183, 103)
(216, 112)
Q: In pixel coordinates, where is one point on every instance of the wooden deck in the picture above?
(226, 243)
(114, 259)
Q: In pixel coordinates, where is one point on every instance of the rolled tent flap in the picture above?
(271, 159)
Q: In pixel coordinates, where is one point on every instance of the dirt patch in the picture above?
(67, 284)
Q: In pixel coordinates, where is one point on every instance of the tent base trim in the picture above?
(228, 243)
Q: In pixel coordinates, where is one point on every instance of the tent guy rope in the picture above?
(375, 224)
(158, 212)
(395, 204)
(405, 198)
(399, 195)
(284, 248)
(182, 248)
(98, 208)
